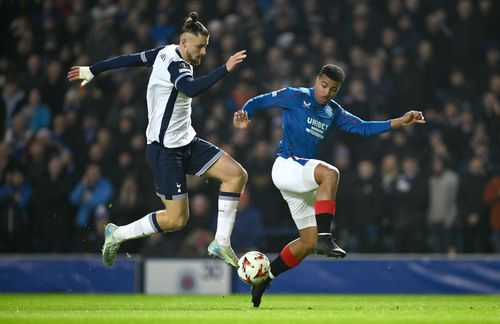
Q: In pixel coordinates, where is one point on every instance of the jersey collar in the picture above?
(178, 52)
(180, 56)
(313, 99)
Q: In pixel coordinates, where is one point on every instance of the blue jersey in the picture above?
(306, 123)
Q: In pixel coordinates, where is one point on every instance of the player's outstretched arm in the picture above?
(193, 87)
(409, 118)
(87, 73)
(240, 119)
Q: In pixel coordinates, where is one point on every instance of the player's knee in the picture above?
(178, 223)
(171, 222)
(241, 176)
(332, 175)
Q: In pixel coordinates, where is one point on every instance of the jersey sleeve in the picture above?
(353, 124)
(145, 58)
(276, 99)
(179, 70)
(183, 81)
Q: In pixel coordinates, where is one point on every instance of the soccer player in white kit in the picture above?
(308, 185)
(173, 150)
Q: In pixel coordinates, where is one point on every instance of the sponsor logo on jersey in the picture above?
(328, 111)
(316, 128)
(316, 123)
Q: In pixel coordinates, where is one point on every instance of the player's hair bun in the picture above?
(192, 18)
(193, 26)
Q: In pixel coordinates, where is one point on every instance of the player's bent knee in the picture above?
(171, 222)
(240, 176)
(243, 176)
(178, 223)
(334, 174)
(331, 175)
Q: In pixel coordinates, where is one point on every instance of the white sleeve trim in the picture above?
(180, 77)
(143, 57)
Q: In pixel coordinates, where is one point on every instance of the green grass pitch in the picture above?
(58, 308)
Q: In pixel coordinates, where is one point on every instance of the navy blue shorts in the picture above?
(170, 165)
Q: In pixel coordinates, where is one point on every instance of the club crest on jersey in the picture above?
(275, 93)
(306, 104)
(183, 65)
(329, 111)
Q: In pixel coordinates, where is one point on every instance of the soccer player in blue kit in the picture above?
(309, 185)
(173, 150)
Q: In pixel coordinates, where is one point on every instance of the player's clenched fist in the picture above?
(412, 117)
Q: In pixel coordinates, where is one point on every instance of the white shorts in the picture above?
(295, 179)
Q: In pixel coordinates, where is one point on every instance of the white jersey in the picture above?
(169, 111)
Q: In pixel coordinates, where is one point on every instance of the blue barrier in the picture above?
(418, 275)
(389, 276)
(74, 275)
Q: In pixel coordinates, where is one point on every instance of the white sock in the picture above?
(145, 226)
(228, 205)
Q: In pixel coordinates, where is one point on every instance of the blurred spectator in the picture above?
(53, 215)
(472, 211)
(12, 97)
(95, 236)
(342, 161)
(15, 222)
(36, 112)
(90, 126)
(409, 206)
(389, 174)
(18, 137)
(127, 206)
(54, 87)
(92, 190)
(443, 210)
(36, 162)
(33, 76)
(367, 210)
(491, 197)
(259, 163)
(163, 30)
(6, 163)
(199, 233)
(248, 229)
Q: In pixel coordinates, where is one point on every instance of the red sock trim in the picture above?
(287, 257)
(324, 207)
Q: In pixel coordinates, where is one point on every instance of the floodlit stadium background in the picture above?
(441, 57)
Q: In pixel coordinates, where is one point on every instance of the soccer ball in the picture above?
(253, 267)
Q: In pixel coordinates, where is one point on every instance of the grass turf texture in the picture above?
(50, 308)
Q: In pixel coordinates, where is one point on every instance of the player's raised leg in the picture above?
(291, 255)
(159, 221)
(327, 178)
(233, 179)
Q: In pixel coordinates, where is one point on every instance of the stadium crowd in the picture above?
(73, 158)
